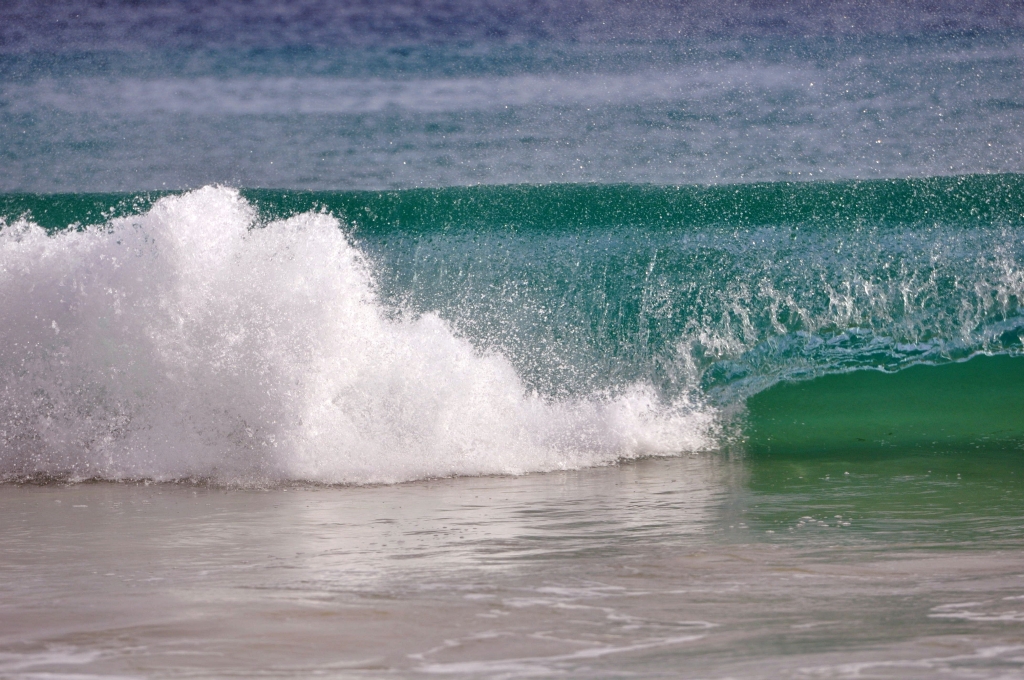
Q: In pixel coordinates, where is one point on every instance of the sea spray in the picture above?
(735, 287)
(190, 341)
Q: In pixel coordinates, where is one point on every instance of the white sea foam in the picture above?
(188, 343)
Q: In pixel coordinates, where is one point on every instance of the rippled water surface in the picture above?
(724, 565)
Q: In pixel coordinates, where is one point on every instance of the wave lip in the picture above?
(188, 342)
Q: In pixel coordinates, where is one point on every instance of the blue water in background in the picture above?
(126, 97)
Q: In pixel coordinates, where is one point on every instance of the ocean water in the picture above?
(493, 340)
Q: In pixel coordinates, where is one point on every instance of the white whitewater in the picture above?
(191, 343)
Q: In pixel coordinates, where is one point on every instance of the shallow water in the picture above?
(722, 565)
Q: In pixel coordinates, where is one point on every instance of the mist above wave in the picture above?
(188, 343)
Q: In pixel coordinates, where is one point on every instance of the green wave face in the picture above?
(929, 454)
(972, 405)
(769, 295)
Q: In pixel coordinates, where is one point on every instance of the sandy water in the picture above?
(700, 566)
